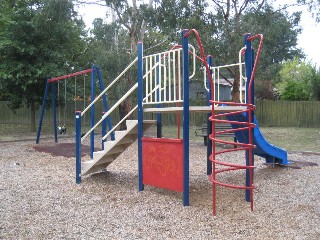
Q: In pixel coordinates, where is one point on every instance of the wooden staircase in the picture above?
(112, 149)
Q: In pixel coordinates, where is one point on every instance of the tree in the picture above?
(314, 7)
(299, 81)
(280, 44)
(39, 38)
(132, 18)
(229, 16)
(221, 31)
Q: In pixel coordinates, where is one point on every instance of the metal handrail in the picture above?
(125, 117)
(110, 110)
(116, 104)
(105, 115)
(118, 124)
(217, 68)
(109, 86)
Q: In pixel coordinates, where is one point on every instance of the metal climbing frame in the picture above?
(219, 166)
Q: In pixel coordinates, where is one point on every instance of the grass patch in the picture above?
(292, 139)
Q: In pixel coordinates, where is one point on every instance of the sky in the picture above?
(308, 40)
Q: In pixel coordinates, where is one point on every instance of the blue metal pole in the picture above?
(248, 62)
(92, 112)
(78, 147)
(105, 102)
(140, 113)
(249, 67)
(54, 111)
(159, 115)
(209, 123)
(44, 100)
(185, 49)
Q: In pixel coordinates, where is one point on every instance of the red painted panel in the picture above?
(162, 160)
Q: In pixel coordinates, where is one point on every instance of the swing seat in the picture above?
(62, 129)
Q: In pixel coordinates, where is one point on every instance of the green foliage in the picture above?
(221, 29)
(314, 7)
(280, 30)
(299, 81)
(39, 38)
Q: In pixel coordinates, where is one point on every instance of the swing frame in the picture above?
(62, 128)
(95, 71)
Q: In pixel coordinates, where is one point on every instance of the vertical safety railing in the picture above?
(216, 73)
(163, 74)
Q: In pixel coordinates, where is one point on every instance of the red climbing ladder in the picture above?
(226, 166)
(218, 165)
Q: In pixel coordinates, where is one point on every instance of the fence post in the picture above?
(78, 147)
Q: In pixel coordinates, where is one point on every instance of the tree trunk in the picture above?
(124, 108)
(32, 116)
(236, 86)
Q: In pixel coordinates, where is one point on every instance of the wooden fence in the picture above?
(288, 113)
(269, 114)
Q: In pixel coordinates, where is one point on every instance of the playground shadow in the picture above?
(62, 149)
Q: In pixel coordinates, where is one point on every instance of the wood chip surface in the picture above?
(40, 200)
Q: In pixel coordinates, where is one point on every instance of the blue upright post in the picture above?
(140, 113)
(92, 112)
(209, 123)
(248, 63)
(78, 147)
(249, 67)
(44, 100)
(159, 116)
(185, 49)
(54, 111)
(105, 102)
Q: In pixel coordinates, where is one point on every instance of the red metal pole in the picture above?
(69, 75)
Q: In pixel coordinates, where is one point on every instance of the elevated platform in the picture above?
(195, 109)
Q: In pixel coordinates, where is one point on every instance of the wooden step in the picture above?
(112, 149)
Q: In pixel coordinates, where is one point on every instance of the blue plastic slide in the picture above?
(271, 153)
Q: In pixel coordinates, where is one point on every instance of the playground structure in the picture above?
(55, 91)
(163, 78)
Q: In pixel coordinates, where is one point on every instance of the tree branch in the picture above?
(260, 5)
(143, 24)
(120, 17)
(93, 2)
(220, 7)
(243, 6)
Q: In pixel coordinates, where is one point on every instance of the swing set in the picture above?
(61, 126)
